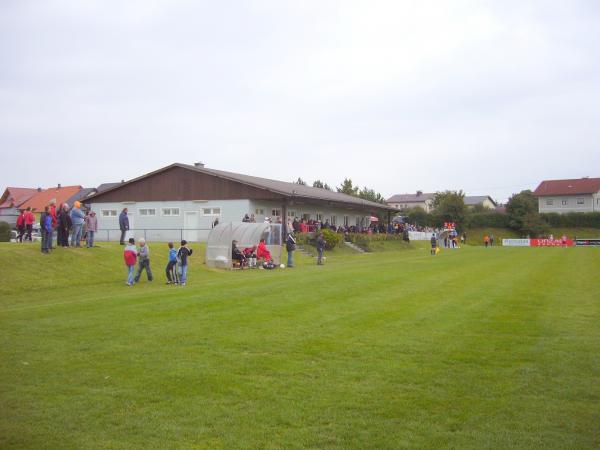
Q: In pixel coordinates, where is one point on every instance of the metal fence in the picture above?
(154, 234)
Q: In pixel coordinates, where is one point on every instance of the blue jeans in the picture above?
(76, 236)
(130, 274)
(90, 239)
(290, 258)
(183, 274)
(319, 256)
(46, 240)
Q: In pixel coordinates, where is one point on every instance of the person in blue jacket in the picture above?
(46, 226)
(77, 218)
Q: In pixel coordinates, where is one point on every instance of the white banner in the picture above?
(516, 242)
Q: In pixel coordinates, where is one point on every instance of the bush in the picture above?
(572, 220)
(487, 220)
(4, 232)
(332, 238)
(365, 241)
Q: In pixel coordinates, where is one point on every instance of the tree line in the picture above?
(348, 187)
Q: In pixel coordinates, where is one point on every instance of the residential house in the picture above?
(406, 201)
(574, 195)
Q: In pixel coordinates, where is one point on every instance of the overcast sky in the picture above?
(486, 96)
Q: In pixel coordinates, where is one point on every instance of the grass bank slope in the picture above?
(479, 348)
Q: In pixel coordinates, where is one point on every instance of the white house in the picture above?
(561, 196)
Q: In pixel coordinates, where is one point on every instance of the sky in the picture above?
(490, 97)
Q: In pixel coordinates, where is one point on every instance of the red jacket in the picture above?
(53, 214)
(130, 255)
(29, 218)
(21, 220)
(262, 252)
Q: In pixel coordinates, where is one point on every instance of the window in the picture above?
(565, 201)
(306, 216)
(319, 217)
(147, 212)
(549, 202)
(211, 211)
(333, 220)
(276, 212)
(170, 211)
(259, 212)
(346, 221)
(291, 213)
(580, 201)
(109, 213)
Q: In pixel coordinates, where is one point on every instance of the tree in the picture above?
(522, 210)
(300, 181)
(418, 216)
(369, 194)
(320, 184)
(348, 188)
(449, 206)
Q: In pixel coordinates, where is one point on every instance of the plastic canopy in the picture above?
(218, 245)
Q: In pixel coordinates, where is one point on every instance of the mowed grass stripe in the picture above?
(382, 351)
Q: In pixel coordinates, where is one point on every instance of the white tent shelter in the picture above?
(218, 246)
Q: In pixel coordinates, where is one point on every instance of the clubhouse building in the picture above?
(186, 200)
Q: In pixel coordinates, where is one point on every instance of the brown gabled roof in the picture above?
(42, 199)
(577, 186)
(13, 197)
(279, 187)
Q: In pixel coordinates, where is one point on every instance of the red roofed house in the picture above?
(562, 196)
(11, 201)
(41, 199)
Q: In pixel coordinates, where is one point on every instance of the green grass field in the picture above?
(474, 348)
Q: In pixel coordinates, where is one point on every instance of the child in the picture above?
(144, 255)
(171, 269)
(182, 256)
(130, 255)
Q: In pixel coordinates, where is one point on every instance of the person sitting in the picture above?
(250, 255)
(237, 255)
(262, 252)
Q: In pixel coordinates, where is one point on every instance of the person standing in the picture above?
(182, 256)
(46, 230)
(130, 256)
(144, 261)
(290, 246)
(123, 225)
(491, 240)
(21, 226)
(171, 269)
(29, 219)
(52, 211)
(92, 226)
(64, 225)
(77, 221)
(321, 242)
(433, 244)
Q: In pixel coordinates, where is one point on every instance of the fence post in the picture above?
(144, 234)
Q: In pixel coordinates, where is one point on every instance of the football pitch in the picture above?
(473, 348)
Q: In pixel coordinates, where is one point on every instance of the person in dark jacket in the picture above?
(321, 242)
(433, 245)
(64, 226)
(290, 246)
(123, 225)
(182, 257)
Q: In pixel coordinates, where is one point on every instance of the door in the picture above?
(191, 223)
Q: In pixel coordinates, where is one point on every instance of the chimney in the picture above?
(122, 181)
(58, 187)
(419, 193)
(39, 189)
(199, 165)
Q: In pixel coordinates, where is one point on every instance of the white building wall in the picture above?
(567, 203)
(334, 215)
(193, 221)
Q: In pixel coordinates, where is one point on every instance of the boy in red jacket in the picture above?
(130, 255)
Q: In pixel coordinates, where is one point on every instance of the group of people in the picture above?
(175, 271)
(67, 223)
